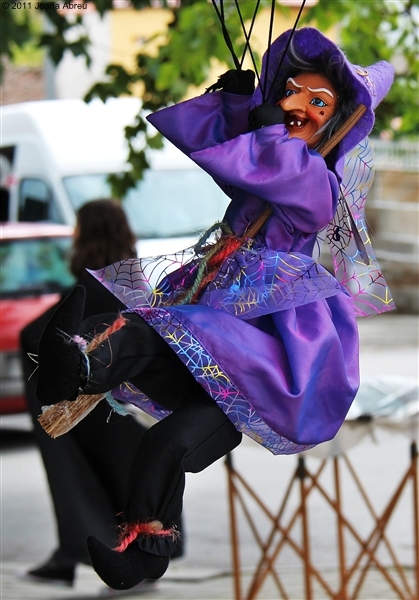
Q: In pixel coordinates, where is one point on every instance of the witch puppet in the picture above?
(245, 333)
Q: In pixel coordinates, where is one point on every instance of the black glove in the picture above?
(235, 82)
(264, 115)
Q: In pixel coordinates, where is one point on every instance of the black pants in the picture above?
(87, 468)
(193, 436)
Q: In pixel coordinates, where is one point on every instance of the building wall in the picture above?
(21, 84)
(130, 31)
(393, 220)
(72, 78)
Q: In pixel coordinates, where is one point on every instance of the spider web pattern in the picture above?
(126, 392)
(212, 378)
(150, 281)
(252, 282)
(257, 281)
(360, 275)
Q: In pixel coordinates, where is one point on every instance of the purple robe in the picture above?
(273, 339)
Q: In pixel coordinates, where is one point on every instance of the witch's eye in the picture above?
(318, 102)
(289, 93)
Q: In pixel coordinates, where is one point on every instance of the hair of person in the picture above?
(332, 67)
(102, 236)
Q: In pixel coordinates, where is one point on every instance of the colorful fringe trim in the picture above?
(130, 532)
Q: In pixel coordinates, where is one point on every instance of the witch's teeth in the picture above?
(298, 123)
(292, 123)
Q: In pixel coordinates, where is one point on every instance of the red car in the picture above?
(33, 273)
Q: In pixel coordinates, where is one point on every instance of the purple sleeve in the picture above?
(205, 121)
(282, 171)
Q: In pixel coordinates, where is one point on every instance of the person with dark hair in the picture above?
(102, 236)
(251, 334)
(88, 469)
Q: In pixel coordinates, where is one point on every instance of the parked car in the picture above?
(33, 273)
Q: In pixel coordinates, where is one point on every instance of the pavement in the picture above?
(379, 454)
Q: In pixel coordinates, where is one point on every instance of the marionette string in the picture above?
(247, 36)
(265, 92)
(226, 35)
(268, 52)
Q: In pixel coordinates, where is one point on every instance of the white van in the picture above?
(56, 155)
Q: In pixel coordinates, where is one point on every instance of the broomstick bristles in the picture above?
(59, 418)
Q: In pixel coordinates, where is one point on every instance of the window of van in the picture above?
(165, 204)
(7, 154)
(36, 202)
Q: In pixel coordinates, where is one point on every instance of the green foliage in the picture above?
(19, 29)
(16, 31)
(57, 41)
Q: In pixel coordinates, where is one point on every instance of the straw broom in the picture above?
(59, 418)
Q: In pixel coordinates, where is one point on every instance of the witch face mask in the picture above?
(309, 102)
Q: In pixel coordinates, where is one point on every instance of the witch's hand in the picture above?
(235, 82)
(265, 115)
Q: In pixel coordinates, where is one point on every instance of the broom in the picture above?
(63, 416)
(60, 418)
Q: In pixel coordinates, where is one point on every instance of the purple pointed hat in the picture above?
(370, 84)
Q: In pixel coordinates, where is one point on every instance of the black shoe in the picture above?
(124, 570)
(55, 572)
(61, 364)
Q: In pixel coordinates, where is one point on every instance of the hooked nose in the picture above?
(294, 102)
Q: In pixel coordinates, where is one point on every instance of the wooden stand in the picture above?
(351, 574)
